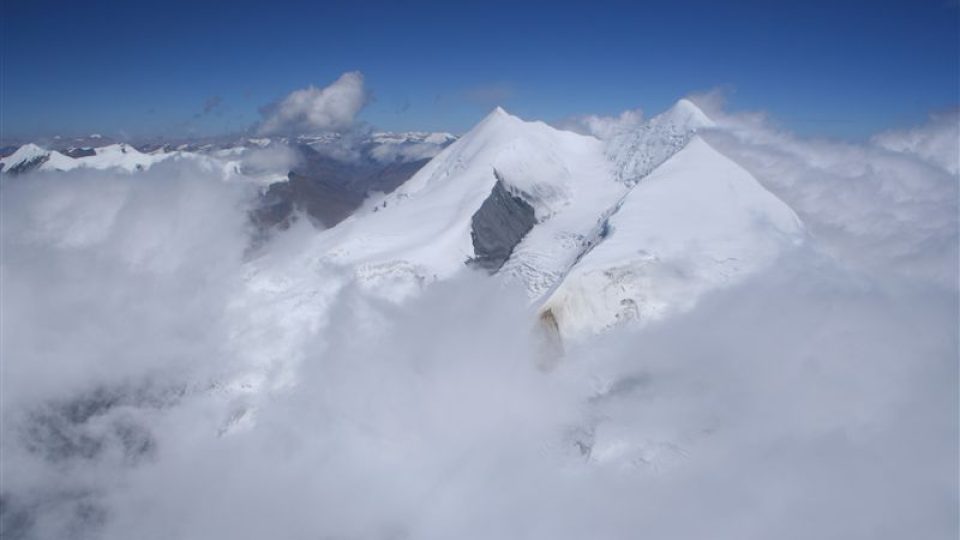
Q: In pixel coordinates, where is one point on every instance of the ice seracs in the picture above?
(697, 222)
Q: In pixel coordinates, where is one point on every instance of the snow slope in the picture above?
(120, 156)
(574, 184)
(637, 152)
(697, 222)
(423, 229)
(31, 157)
(632, 227)
(545, 256)
(25, 154)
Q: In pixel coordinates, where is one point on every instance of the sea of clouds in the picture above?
(162, 379)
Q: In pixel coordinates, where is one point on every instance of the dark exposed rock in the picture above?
(85, 426)
(80, 152)
(324, 201)
(28, 165)
(16, 517)
(326, 189)
(498, 226)
(389, 177)
(80, 515)
(550, 341)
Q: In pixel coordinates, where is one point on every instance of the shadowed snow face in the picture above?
(155, 385)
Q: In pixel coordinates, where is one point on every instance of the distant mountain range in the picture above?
(325, 176)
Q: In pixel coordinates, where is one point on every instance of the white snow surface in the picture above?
(698, 222)
(684, 218)
(120, 156)
(230, 162)
(115, 156)
(545, 256)
(638, 151)
(423, 228)
(26, 154)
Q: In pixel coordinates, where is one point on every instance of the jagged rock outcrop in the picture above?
(498, 226)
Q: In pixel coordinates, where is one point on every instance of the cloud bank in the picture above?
(157, 384)
(936, 142)
(316, 110)
(864, 202)
(603, 127)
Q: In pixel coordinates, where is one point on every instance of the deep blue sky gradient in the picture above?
(842, 68)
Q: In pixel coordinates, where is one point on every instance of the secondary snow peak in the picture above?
(636, 152)
(687, 114)
(698, 222)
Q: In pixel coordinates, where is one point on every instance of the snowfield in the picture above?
(698, 222)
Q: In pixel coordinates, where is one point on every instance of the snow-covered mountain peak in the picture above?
(498, 118)
(121, 156)
(30, 157)
(522, 152)
(684, 114)
(637, 152)
(24, 154)
(485, 192)
(28, 151)
(698, 222)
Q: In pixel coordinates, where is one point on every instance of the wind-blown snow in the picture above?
(572, 181)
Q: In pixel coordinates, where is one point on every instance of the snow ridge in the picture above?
(637, 152)
(698, 222)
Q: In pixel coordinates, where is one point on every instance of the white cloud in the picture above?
(867, 205)
(603, 127)
(314, 110)
(157, 385)
(274, 158)
(937, 142)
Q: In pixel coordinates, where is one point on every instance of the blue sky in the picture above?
(842, 68)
